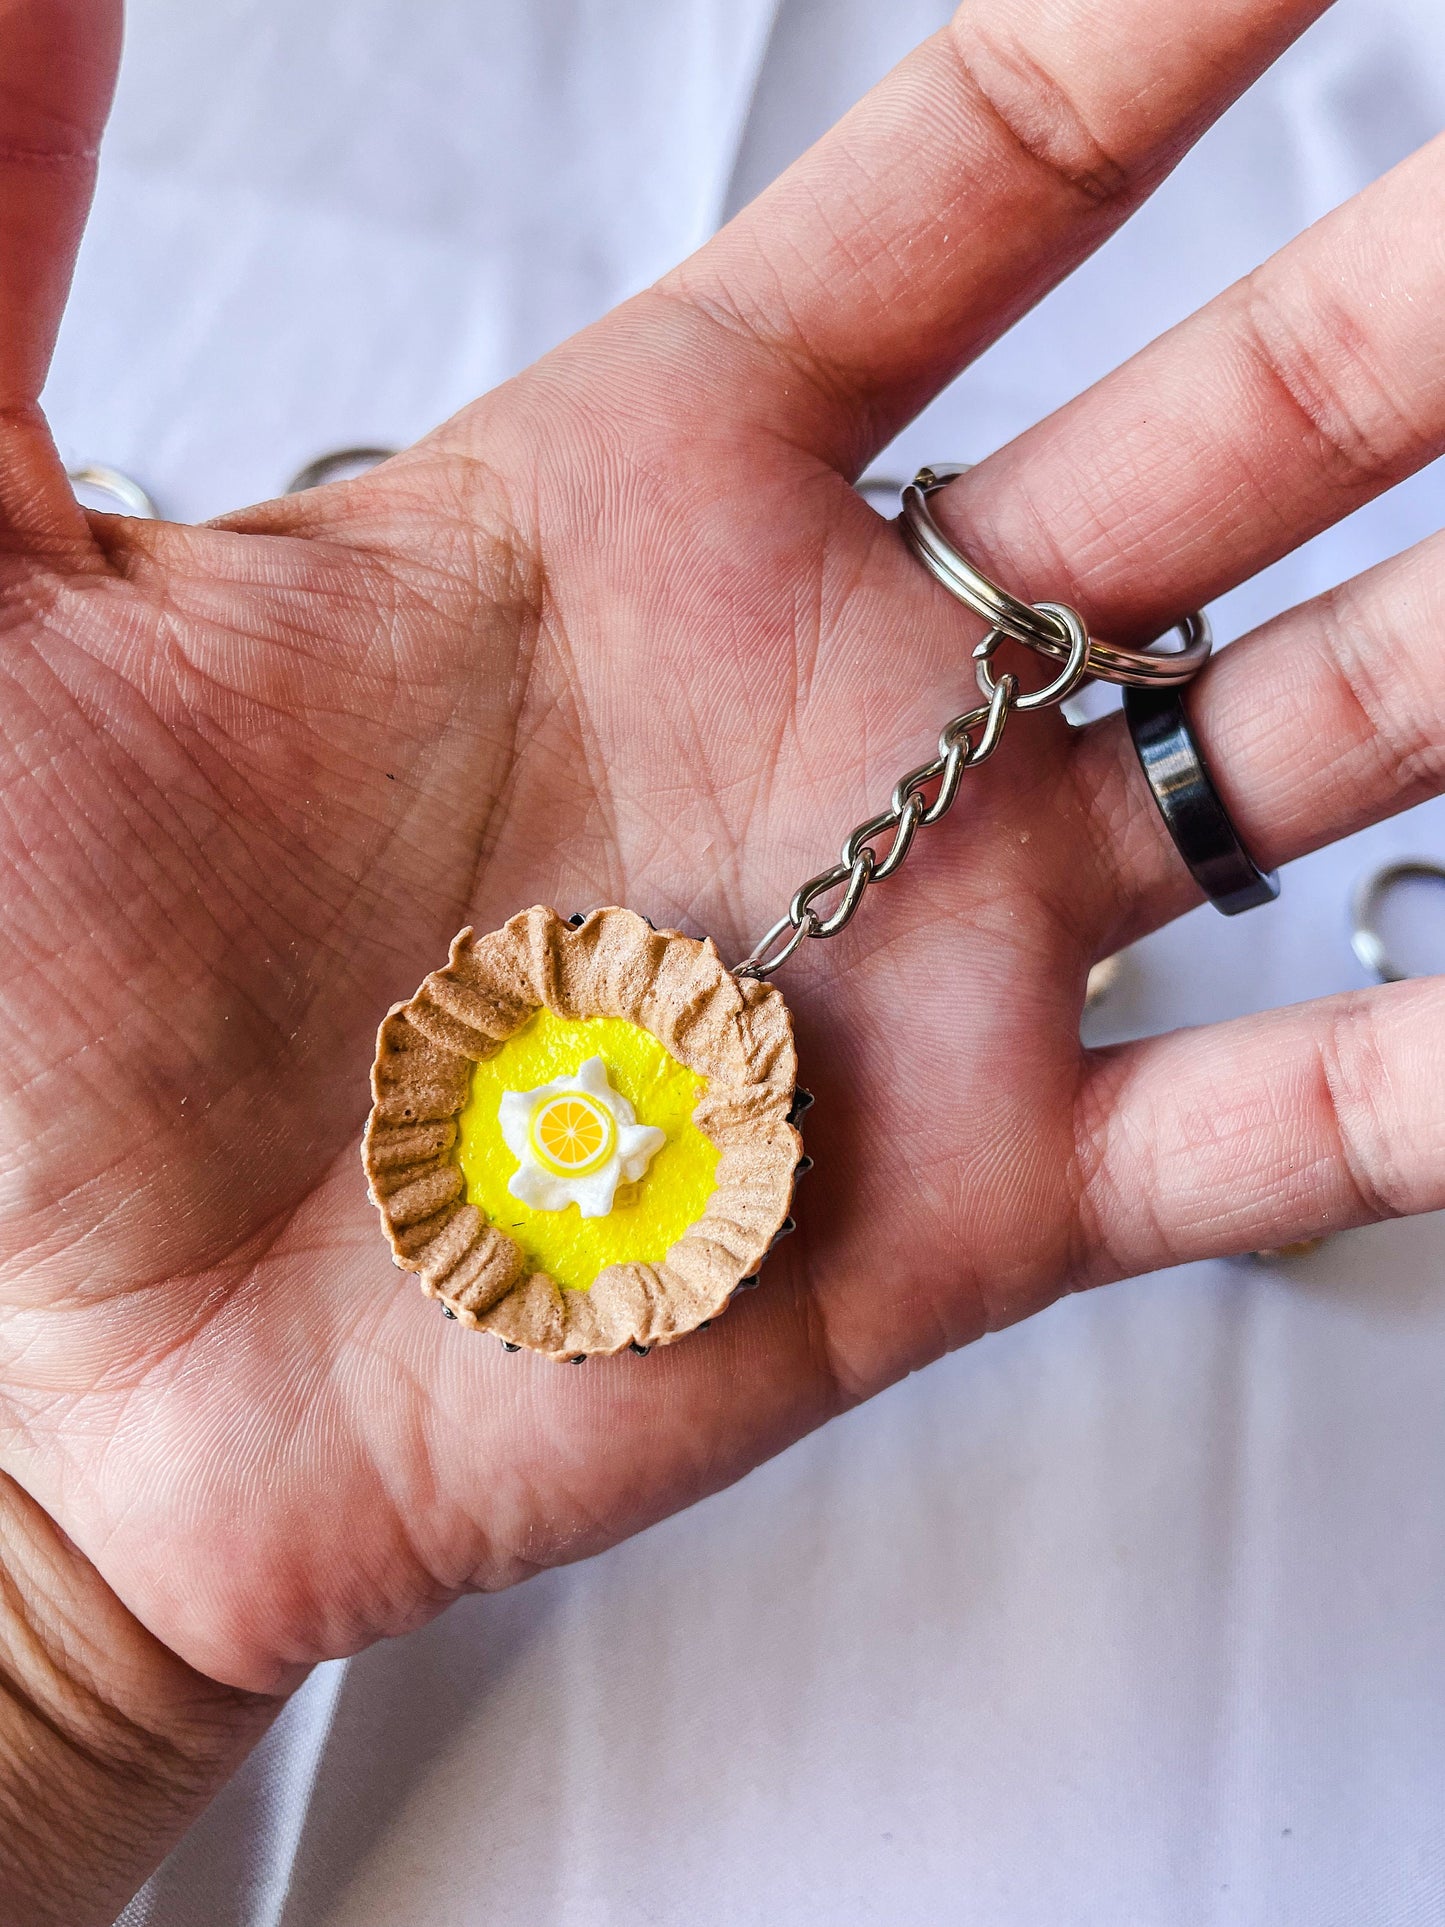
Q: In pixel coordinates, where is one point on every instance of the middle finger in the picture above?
(1302, 392)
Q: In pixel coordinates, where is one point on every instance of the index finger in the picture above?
(977, 175)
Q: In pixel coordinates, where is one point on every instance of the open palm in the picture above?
(623, 632)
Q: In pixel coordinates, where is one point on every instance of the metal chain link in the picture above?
(967, 741)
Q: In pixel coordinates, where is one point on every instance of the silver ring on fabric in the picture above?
(1369, 899)
(1103, 977)
(1036, 625)
(340, 465)
(881, 492)
(120, 487)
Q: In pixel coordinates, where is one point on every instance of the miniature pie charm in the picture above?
(583, 1135)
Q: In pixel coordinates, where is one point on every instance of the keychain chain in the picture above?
(959, 749)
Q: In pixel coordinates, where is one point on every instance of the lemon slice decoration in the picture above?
(573, 1134)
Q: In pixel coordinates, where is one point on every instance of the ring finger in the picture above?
(1327, 719)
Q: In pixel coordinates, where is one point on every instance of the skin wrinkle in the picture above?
(270, 712)
(790, 741)
(216, 1101)
(467, 893)
(1036, 115)
(64, 1205)
(150, 1306)
(65, 542)
(217, 814)
(792, 338)
(830, 619)
(1102, 1112)
(695, 761)
(164, 898)
(593, 756)
(1394, 731)
(1132, 535)
(409, 1593)
(1351, 1074)
(555, 1535)
(16, 154)
(1316, 1092)
(56, 1719)
(1368, 448)
(129, 1765)
(1058, 569)
(755, 804)
(36, 1080)
(1071, 911)
(132, 1413)
(809, 627)
(135, 1750)
(262, 1016)
(523, 687)
(43, 1254)
(829, 382)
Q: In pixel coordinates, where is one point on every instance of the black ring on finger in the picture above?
(1193, 811)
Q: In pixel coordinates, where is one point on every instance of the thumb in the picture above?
(58, 61)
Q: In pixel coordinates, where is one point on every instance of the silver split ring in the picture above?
(1038, 626)
(339, 465)
(123, 489)
(1366, 939)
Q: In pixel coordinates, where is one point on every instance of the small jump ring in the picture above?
(1027, 622)
(760, 965)
(1068, 678)
(1365, 938)
(119, 486)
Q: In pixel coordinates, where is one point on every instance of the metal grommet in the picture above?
(1191, 806)
(342, 464)
(120, 487)
(1024, 621)
(1365, 938)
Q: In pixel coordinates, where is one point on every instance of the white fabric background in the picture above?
(1132, 1616)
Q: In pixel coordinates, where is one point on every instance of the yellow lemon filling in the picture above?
(573, 1133)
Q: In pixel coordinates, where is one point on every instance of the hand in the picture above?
(623, 632)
